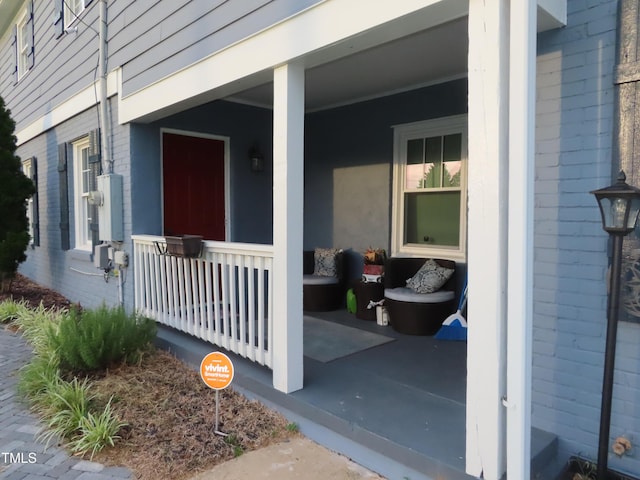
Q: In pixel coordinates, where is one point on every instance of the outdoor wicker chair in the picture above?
(416, 313)
(323, 292)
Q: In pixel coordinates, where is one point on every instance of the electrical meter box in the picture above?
(101, 256)
(110, 209)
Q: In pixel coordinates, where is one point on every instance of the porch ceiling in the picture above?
(423, 58)
(427, 57)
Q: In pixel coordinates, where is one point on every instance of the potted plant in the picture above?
(581, 469)
(374, 261)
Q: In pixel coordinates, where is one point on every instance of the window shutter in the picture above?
(30, 30)
(35, 214)
(96, 169)
(14, 46)
(58, 19)
(64, 196)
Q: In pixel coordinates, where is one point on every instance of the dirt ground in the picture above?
(170, 417)
(295, 459)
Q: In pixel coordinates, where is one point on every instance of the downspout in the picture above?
(522, 106)
(105, 121)
(105, 131)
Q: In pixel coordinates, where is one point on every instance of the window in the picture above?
(66, 13)
(82, 185)
(23, 42)
(78, 169)
(28, 170)
(429, 211)
(72, 9)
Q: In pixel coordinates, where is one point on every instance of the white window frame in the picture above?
(72, 10)
(22, 47)
(81, 194)
(425, 129)
(27, 169)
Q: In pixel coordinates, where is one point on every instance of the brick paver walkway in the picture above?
(22, 456)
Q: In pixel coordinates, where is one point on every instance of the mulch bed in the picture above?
(24, 289)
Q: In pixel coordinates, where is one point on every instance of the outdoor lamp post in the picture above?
(619, 205)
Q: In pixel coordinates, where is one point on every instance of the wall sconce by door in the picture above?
(256, 159)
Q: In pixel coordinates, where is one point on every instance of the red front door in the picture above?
(193, 182)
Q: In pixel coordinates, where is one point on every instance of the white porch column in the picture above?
(522, 64)
(487, 233)
(288, 199)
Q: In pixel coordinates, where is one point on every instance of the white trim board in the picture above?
(74, 105)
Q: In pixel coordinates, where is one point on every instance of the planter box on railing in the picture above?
(189, 246)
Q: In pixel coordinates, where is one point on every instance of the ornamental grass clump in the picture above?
(38, 378)
(96, 432)
(64, 408)
(97, 339)
(11, 310)
(37, 325)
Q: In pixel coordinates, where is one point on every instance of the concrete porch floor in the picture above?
(397, 409)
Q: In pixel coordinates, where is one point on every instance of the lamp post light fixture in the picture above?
(619, 206)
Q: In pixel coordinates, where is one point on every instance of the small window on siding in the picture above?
(29, 168)
(66, 12)
(23, 42)
(73, 9)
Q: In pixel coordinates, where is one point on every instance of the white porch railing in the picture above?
(224, 297)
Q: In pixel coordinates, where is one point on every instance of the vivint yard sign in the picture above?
(216, 371)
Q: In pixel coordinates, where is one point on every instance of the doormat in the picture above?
(325, 341)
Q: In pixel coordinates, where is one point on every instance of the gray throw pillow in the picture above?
(325, 262)
(430, 278)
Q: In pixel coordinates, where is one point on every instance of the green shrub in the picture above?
(95, 339)
(15, 189)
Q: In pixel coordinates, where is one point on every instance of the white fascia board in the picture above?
(84, 99)
(551, 14)
(302, 36)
